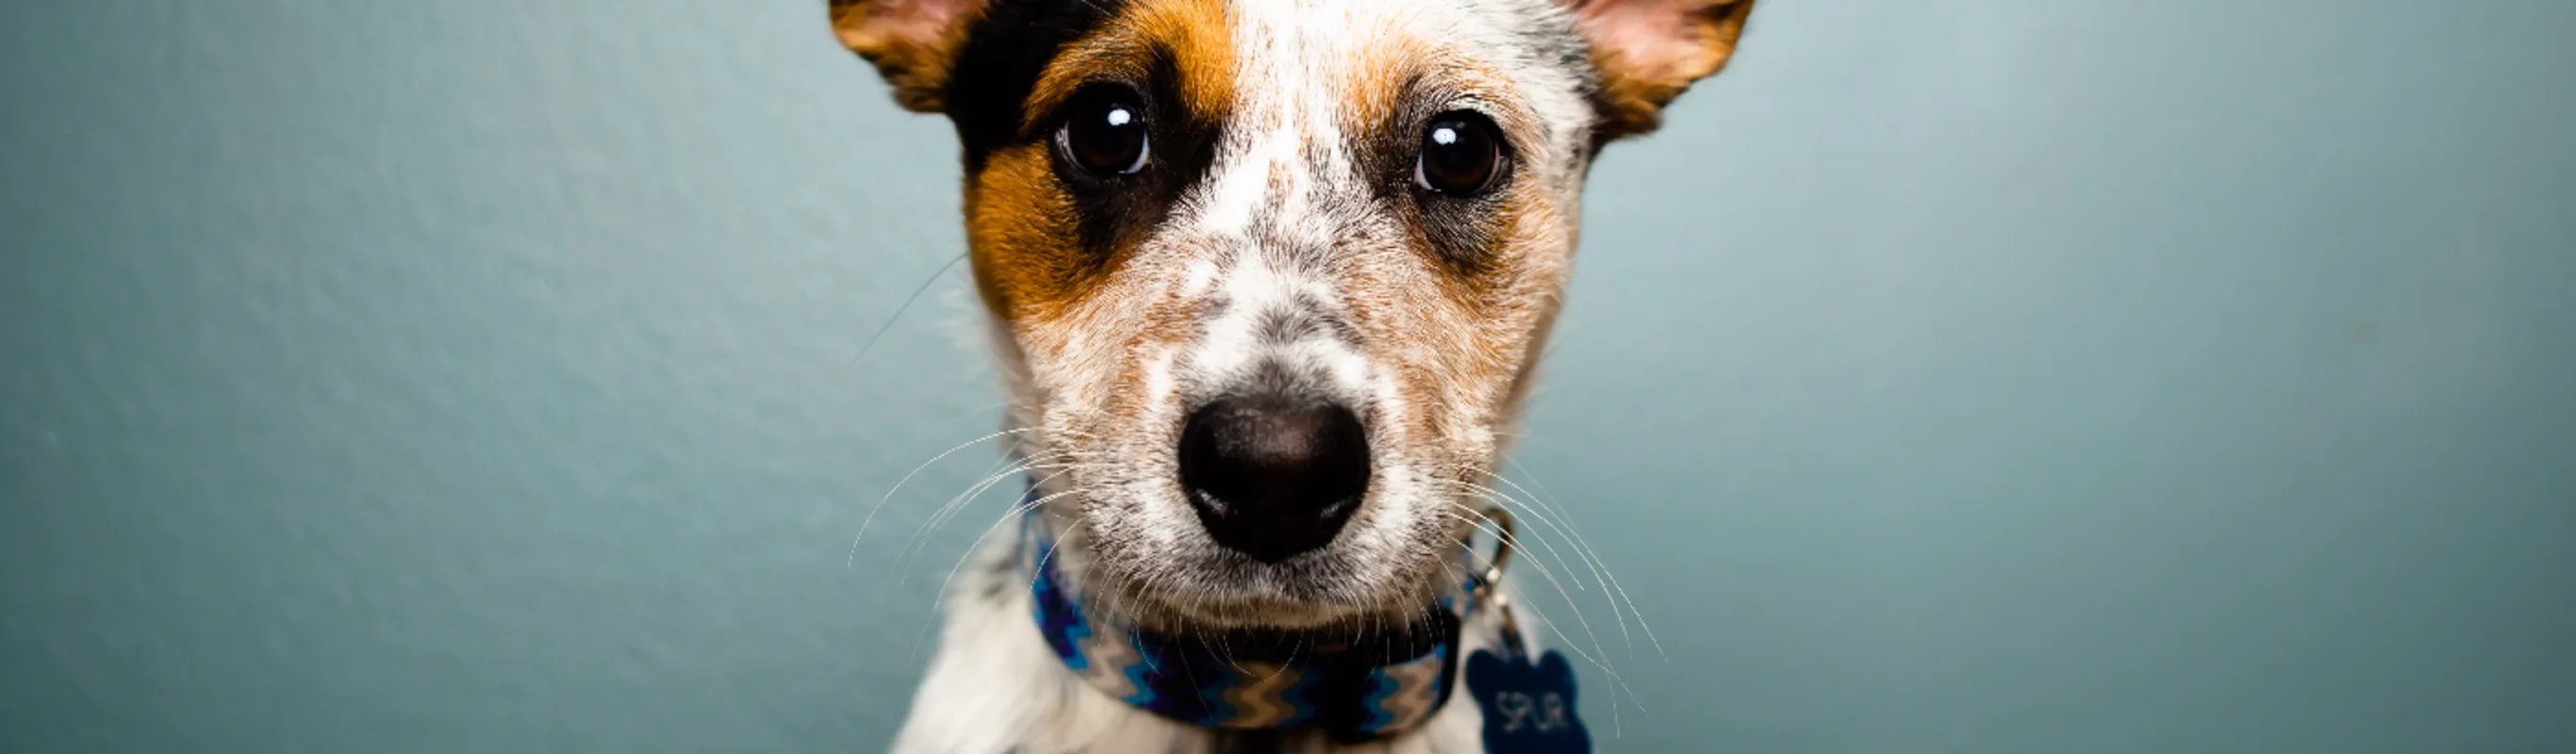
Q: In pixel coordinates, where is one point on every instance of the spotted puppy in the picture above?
(1268, 281)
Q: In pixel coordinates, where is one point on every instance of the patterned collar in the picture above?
(1353, 693)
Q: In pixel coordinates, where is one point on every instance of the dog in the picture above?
(1268, 281)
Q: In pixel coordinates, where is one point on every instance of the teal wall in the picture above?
(1976, 376)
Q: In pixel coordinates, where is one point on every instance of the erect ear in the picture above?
(1648, 51)
(910, 41)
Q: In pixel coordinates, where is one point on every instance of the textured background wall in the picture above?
(1991, 375)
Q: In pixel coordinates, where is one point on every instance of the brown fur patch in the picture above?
(1023, 236)
(1509, 304)
(1374, 86)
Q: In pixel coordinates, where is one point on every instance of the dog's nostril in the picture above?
(1270, 478)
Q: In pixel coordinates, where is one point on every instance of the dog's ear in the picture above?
(910, 41)
(1648, 51)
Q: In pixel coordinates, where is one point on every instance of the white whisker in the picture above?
(1602, 570)
(907, 479)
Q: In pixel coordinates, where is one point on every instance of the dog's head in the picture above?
(1269, 277)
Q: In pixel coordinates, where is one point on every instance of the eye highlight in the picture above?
(1461, 153)
(1104, 132)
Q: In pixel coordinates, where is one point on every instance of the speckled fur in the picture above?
(1283, 250)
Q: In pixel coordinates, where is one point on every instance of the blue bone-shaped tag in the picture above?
(1528, 707)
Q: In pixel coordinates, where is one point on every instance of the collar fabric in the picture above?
(1353, 693)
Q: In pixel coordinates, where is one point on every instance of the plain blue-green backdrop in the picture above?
(1973, 376)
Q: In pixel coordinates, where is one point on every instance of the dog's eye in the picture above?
(1461, 154)
(1105, 133)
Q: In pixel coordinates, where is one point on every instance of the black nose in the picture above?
(1271, 478)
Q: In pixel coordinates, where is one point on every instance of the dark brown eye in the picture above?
(1461, 153)
(1104, 134)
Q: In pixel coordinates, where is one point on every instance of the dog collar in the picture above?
(1353, 693)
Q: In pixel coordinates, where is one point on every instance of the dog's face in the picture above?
(1269, 277)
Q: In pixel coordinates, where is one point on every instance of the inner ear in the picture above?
(911, 42)
(1649, 51)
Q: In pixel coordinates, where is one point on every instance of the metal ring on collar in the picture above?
(1503, 541)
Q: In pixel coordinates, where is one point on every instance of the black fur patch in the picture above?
(1117, 211)
(999, 63)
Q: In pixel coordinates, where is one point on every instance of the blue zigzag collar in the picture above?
(1352, 693)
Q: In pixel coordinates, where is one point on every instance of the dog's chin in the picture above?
(1254, 614)
(1222, 591)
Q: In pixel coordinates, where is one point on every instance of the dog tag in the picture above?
(1528, 706)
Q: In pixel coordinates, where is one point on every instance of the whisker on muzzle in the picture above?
(1563, 522)
(1531, 511)
(956, 504)
(907, 479)
(1598, 657)
(1015, 512)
